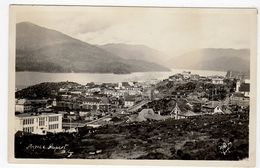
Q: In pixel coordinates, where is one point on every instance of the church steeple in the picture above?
(175, 111)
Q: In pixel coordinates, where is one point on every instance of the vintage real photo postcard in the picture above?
(132, 85)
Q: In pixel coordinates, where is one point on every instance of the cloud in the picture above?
(171, 30)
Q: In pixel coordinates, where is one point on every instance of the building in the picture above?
(95, 89)
(68, 105)
(215, 107)
(38, 123)
(91, 103)
(243, 88)
(211, 107)
(239, 99)
(148, 94)
(123, 85)
(129, 101)
(217, 80)
(176, 112)
(186, 74)
(63, 90)
(146, 114)
(22, 105)
(114, 93)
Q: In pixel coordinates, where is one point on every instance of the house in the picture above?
(87, 93)
(176, 113)
(22, 105)
(92, 103)
(38, 123)
(217, 80)
(63, 90)
(95, 89)
(129, 101)
(114, 101)
(144, 115)
(83, 113)
(245, 89)
(148, 94)
(215, 107)
(71, 105)
(134, 91)
(114, 93)
(104, 105)
(65, 96)
(239, 99)
(122, 85)
(211, 107)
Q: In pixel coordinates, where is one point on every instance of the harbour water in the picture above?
(25, 79)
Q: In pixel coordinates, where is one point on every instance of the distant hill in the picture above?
(138, 52)
(214, 59)
(46, 50)
(43, 90)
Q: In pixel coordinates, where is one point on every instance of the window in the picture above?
(28, 129)
(28, 121)
(53, 126)
(41, 121)
(53, 118)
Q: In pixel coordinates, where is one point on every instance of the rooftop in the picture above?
(93, 100)
(237, 94)
(126, 84)
(130, 98)
(35, 114)
(212, 104)
(22, 101)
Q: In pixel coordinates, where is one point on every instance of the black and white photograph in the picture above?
(132, 83)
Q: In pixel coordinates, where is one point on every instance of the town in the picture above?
(50, 109)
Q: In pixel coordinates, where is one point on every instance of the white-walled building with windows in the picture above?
(38, 123)
(22, 105)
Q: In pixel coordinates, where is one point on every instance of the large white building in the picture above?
(38, 123)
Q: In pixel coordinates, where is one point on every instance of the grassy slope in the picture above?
(198, 138)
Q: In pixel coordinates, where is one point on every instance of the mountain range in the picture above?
(219, 59)
(47, 50)
(138, 52)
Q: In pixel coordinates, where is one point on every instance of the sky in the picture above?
(174, 31)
